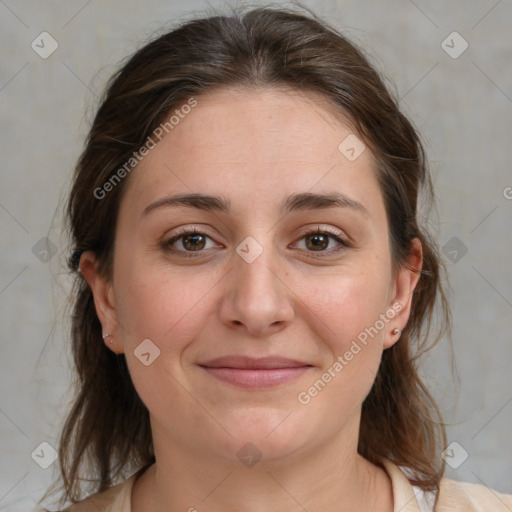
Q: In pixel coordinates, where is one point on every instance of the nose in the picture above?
(256, 298)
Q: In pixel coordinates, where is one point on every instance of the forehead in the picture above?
(237, 123)
(258, 141)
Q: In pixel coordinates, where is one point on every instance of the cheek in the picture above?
(168, 304)
(349, 314)
(347, 304)
(168, 307)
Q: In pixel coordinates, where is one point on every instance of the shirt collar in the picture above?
(403, 495)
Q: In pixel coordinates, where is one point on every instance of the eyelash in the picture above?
(167, 245)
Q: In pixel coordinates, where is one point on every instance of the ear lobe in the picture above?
(102, 291)
(404, 285)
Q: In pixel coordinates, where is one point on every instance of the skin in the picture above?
(254, 148)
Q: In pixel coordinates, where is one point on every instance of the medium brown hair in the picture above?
(107, 429)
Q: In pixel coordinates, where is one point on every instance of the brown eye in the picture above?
(188, 242)
(193, 242)
(317, 241)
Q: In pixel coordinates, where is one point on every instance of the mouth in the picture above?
(250, 372)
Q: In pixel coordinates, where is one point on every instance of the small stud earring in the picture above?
(107, 336)
(395, 331)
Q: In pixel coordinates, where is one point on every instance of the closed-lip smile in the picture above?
(255, 372)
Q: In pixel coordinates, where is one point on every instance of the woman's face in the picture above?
(256, 281)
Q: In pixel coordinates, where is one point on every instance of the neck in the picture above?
(330, 477)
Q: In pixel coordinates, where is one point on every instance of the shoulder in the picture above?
(114, 499)
(469, 497)
(453, 496)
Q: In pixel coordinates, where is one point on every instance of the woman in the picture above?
(253, 287)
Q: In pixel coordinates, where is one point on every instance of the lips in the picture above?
(253, 363)
(250, 372)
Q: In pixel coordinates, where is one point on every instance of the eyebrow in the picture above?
(295, 202)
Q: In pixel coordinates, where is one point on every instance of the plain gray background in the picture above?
(462, 105)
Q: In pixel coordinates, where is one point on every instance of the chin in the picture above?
(273, 436)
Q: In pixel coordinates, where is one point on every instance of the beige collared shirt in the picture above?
(454, 496)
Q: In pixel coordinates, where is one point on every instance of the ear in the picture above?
(404, 284)
(104, 302)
